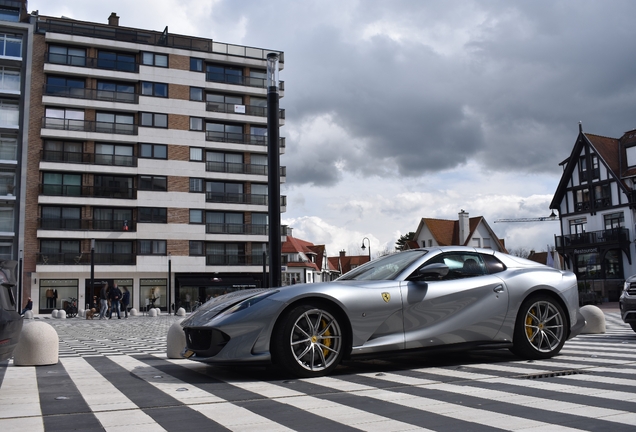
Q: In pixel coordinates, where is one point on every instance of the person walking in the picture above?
(125, 299)
(115, 296)
(103, 301)
(28, 307)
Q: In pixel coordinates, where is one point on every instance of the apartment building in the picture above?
(147, 165)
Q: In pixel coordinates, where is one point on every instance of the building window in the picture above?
(196, 185)
(225, 253)
(603, 196)
(8, 147)
(114, 252)
(224, 223)
(196, 248)
(112, 219)
(115, 123)
(116, 61)
(65, 87)
(595, 168)
(12, 15)
(116, 91)
(9, 114)
(61, 218)
(224, 74)
(224, 192)
(196, 64)
(153, 151)
(196, 123)
(67, 56)
(614, 221)
(196, 216)
(196, 154)
(223, 103)
(113, 154)
(153, 215)
(225, 162)
(224, 132)
(153, 183)
(152, 247)
(196, 94)
(7, 181)
(10, 45)
(578, 226)
(7, 221)
(582, 199)
(109, 186)
(152, 59)
(154, 89)
(9, 79)
(64, 119)
(59, 184)
(154, 120)
(59, 251)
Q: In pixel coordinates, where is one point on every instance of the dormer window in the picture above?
(631, 156)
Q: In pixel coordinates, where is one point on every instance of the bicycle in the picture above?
(71, 308)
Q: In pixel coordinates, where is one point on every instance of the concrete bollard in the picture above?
(181, 312)
(594, 319)
(158, 311)
(54, 313)
(38, 345)
(61, 314)
(28, 314)
(176, 341)
(81, 313)
(152, 312)
(133, 312)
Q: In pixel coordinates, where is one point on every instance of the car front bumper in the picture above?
(627, 304)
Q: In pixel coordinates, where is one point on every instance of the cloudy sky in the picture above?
(398, 110)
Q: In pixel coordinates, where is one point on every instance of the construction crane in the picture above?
(550, 218)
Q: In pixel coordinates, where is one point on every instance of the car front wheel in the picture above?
(309, 341)
(541, 328)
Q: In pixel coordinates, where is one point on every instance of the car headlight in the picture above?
(245, 304)
(626, 286)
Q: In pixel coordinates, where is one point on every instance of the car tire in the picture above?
(633, 326)
(541, 328)
(309, 341)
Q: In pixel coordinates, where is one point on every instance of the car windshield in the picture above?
(385, 268)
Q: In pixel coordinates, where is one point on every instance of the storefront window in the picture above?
(591, 266)
(613, 264)
(153, 293)
(57, 293)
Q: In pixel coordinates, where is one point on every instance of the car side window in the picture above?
(460, 265)
(493, 265)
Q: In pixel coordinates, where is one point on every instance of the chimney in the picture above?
(342, 253)
(464, 227)
(113, 20)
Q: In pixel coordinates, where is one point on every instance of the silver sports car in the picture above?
(450, 297)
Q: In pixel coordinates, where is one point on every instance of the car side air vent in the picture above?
(552, 374)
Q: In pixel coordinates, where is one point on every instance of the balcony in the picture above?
(230, 108)
(61, 224)
(234, 260)
(93, 63)
(212, 228)
(238, 198)
(88, 126)
(618, 237)
(239, 168)
(90, 94)
(88, 191)
(239, 138)
(88, 158)
(240, 80)
(84, 258)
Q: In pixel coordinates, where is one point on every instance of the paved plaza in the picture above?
(114, 375)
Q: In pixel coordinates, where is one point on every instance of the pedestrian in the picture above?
(125, 299)
(115, 297)
(28, 307)
(103, 300)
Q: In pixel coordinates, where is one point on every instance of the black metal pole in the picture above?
(20, 286)
(169, 283)
(273, 172)
(89, 300)
(264, 267)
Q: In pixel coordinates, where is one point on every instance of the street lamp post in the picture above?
(363, 247)
(169, 282)
(273, 172)
(92, 271)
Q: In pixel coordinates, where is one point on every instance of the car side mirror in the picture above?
(436, 269)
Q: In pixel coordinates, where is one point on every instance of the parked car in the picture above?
(10, 319)
(423, 299)
(627, 302)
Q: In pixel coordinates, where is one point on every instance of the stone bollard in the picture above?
(176, 341)
(133, 312)
(158, 311)
(180, 312)
(594, 319)
(81, 313)
(61, 314)
(38, 345)
(54, 313)
(28, 314)
(152, 312)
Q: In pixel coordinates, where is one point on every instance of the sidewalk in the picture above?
(610, 307)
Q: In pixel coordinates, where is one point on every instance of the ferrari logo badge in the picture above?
(386, 297)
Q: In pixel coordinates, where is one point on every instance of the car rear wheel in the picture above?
(309, 340)
(541, 328)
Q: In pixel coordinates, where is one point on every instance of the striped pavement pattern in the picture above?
(591, 386)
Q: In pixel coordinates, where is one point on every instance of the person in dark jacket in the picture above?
(115, 297)
(28, 307)
(103, 301)
(125, 299)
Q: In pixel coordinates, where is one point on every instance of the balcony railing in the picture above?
(618, 236)
(91, 94)
(88, 158)
(239, 138)
(234, 260)
(88, 126)
(84, 258)
(86, 224)
(239, 168)
(94, 63)
(231, 108)
(240, 80)
(212, 228)
(238, 198)
(88, 191)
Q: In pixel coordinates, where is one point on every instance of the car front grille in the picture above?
(206, 342)
(632, 289)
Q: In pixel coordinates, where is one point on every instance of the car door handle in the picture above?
(498, 289)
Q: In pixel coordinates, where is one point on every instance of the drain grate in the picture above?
(552, 374)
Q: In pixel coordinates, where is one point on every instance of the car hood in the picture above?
(216, 305)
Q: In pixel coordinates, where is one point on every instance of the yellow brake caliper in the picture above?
(529, 331)
(326, 342)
